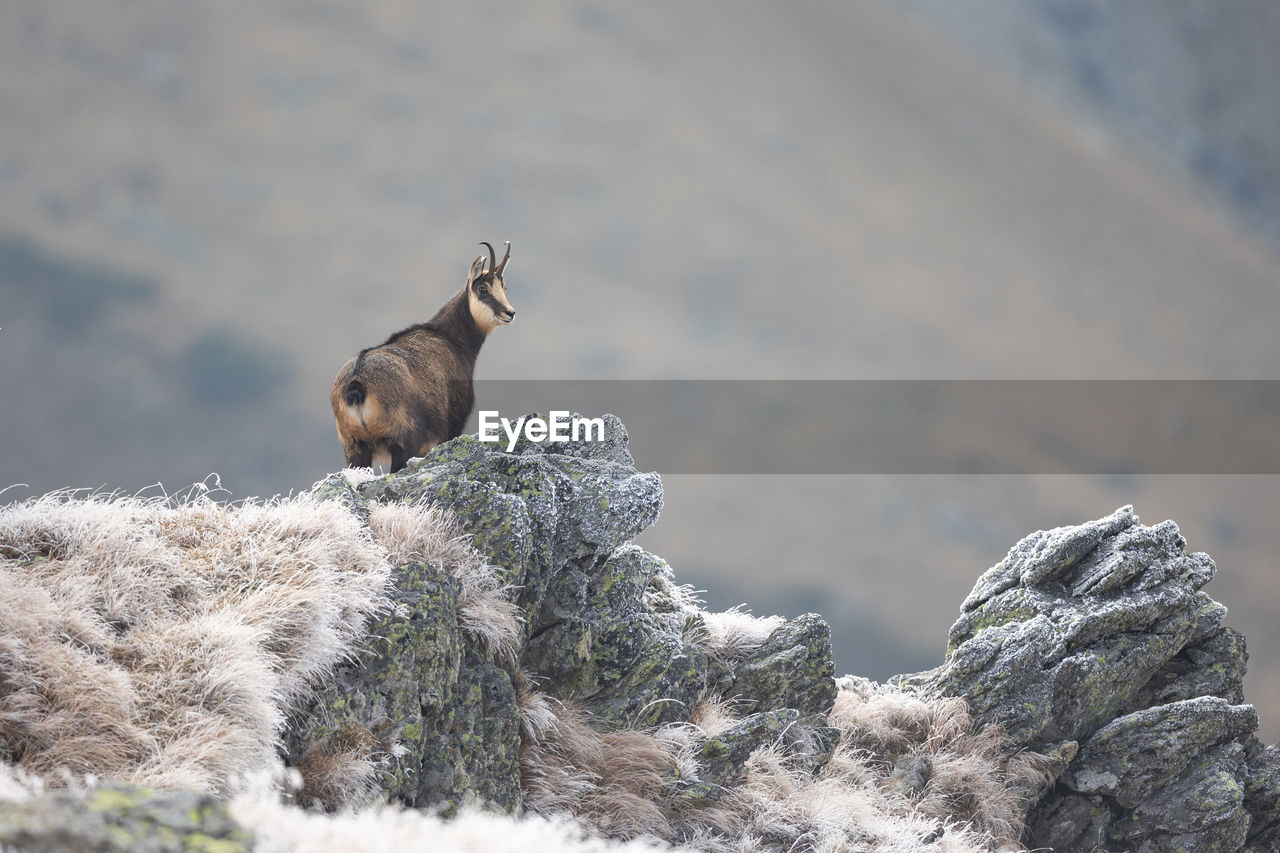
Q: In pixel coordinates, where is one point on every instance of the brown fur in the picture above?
(414, 390)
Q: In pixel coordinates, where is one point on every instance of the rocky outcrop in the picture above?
(436, 713)
(605, 627)
(1096, 645)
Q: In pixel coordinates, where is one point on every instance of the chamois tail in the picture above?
(353, 394)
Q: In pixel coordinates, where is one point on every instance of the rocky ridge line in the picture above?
(1093, 645)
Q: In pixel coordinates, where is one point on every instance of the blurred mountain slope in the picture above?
(1195, 81)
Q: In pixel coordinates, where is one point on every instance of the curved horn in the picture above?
(493, 263)
(503, 265)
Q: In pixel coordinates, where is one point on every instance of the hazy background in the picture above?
(206, 208)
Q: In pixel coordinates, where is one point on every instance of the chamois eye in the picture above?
(483, 289)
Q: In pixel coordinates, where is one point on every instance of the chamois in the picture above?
(414, 390)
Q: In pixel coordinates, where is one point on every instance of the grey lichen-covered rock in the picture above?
(616, 639)
(1202, 808)
(121, 820)
(1129, 757)
(806, 739)
(605, 625)
(602, 642)
(792, 669)
(662, 686)
(1262, 796)
(438, 716)
(556, 520)
(722, 758)
(1214, 666)
(1073, 822)
(533, 510)
(338, 489)
(1098, 638)
(1063, 634)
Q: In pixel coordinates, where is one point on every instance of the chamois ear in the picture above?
(503, 265)
(477, 270)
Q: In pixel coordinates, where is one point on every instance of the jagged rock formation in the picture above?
(605, 625)
(1095, 645)
(545, 665)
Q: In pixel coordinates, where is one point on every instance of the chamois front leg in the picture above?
(400, 455)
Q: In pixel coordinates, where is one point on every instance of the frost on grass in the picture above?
(734, 634)
(906, 770)
(162, 642)
(422, 532)
(613, 782)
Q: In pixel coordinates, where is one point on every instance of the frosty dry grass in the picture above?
(907, 770)
(932, 753)
(426, 533)
(345, 773)
(614, 782)
(734, 634)
(161, 643)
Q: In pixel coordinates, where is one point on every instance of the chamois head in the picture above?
(487, 292)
